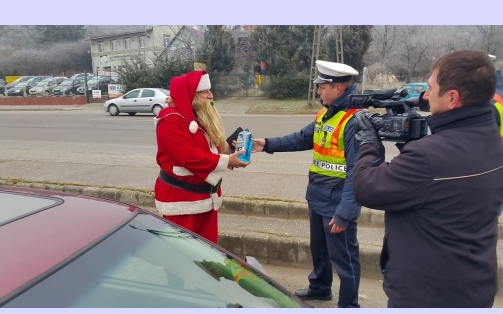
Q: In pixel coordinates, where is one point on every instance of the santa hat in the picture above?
(183, 89)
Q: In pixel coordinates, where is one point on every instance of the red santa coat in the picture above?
(186, 153)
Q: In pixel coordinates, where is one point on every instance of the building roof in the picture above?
(120, 34)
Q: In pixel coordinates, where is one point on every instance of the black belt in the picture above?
(187, 186)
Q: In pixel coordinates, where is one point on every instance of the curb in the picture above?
(231, 204)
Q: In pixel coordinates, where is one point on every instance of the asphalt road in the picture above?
(91, 147)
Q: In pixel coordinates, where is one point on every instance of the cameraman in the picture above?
(441, 193)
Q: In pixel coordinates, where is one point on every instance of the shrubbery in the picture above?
(291, 85)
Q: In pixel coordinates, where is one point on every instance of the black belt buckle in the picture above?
(214, 189)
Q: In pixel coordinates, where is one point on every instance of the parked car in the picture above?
(46, 86)
(33, 81)
(68, 87)
(2, 88)
(71, 251)
(17, 90)
(143, 100)
(414, 89)
(115, 80)
(82, 76)
(96, 83)
(18, 80)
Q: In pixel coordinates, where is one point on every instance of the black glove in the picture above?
(366, 132)
(233, 137)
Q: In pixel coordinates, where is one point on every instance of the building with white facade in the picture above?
(109, 51)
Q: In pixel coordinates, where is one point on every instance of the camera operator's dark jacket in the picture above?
(326, 196)
(441, 197)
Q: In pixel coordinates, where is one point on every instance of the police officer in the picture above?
(498, 101)
(333, 211)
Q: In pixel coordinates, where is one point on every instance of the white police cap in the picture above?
(492, 57)
(331, 72)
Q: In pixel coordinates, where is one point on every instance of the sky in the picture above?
(256, 12)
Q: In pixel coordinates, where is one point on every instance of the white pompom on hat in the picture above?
(204, 83)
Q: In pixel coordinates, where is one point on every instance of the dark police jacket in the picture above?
(441, 197)
(326, 196)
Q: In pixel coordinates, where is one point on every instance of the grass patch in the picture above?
(284, 106)
(290, 106)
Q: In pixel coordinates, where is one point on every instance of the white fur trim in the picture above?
(181, 171)
(213, 147)
(187, 208)
(193, 127)
(204, 83)
(157, 119)
(217, 174)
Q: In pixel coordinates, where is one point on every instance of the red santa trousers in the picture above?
(204, 224)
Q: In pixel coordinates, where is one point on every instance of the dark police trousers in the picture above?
(340, 250)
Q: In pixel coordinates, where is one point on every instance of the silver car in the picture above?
(145, 100)
(46, 86)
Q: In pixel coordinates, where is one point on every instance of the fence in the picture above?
(246, 84)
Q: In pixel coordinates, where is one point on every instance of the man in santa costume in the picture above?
(193, 154)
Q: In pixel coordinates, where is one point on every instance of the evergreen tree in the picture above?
(218, 49)
(356, 40)
(284, 48)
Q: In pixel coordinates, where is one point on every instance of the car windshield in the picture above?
(67, 82)
(22, 84)
(149, 263)
(18, 80)
(43, 83)
(92, 82)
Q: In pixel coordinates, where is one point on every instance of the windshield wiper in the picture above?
(171, 234)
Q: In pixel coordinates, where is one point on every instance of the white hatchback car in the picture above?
(140, 100)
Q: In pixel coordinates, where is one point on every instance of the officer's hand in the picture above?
(366, 133)
(258, 145)
(335, 228)
(235, 162)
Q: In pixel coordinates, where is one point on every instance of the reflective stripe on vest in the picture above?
(328, 144)
(499, 107)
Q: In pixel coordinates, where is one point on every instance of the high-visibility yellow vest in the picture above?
(499, 107)
(328, 144)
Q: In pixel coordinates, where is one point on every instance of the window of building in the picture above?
(113, 44)
(166, 39)
(101, 46)
(127, 43)
(141, 41)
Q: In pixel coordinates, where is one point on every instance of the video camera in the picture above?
(401, 122)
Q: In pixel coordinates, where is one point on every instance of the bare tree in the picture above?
(491, 37)
(384, 37)
(412, 51)
(54, 59)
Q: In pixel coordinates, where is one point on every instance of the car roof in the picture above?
(42, 242)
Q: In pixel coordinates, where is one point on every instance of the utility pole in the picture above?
(314, 73)
(339, 52)
(338, 44)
